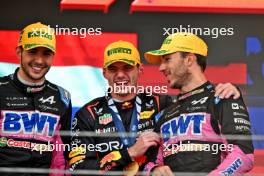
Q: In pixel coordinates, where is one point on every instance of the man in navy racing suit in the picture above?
(195, 129)
(33, 109)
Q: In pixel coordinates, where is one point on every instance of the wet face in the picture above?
(123, 75)
(34, 63)
(175, 69)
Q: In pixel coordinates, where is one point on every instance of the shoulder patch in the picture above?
(65, 96)
(217, 100)
(91, 108)
(4, 80)
(157, 116)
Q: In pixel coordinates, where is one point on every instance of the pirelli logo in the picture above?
(119, 50)
(39, 34)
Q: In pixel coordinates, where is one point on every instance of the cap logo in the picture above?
(184, 48)
(167, 41)
(39, 34)
(159, 52)
(119, 50)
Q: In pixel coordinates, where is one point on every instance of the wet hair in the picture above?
(201, 60)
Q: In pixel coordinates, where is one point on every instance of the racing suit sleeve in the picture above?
(65, 123)
(82, 154)
(58, 161)
(58, 157)
(234, 120)
(165, 101)
(155, 159)
(154, 154)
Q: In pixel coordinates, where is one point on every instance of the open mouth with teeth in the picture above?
(121, 83)
(123, 87)
(37, 68)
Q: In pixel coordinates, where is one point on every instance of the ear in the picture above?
(191, 59)
(104, 73)
(140, 68)
(18, 52)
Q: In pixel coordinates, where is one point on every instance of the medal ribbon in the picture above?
(127, 141)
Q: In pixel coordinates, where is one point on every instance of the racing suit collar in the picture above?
(125, 104)
(27, 88)
(200, 89)
(128, 104)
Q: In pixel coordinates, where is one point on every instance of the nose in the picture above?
(39, 59)
(120, 73)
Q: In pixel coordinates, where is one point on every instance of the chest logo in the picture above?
(183, 124)
(49, 100)
(29, 123)
(201, 101)
(105, 119)
(146, 114)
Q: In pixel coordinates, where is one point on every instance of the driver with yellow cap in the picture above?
(33, 109)
(110, 117)
(199, 132)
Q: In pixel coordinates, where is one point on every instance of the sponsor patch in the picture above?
(242, 121)
(3, 141)
(105, 130)
(233, 167)
(113, 156)
(146, 114)
(235, 106)
(76, 159)
(105, 119)
(77, 151)
(29, 123)
(180, 125)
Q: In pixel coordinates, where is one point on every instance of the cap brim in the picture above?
(154, 56)
(125, 60)
(31, 46)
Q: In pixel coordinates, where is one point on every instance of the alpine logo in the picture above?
(201, 101)
(49, 100)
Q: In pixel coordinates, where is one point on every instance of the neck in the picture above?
(195, 81)
(123, 98)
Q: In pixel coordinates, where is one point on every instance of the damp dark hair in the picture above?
(201, 60)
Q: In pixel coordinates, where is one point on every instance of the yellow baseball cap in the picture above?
(37, 35)
(181, 41)
(121, 51)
